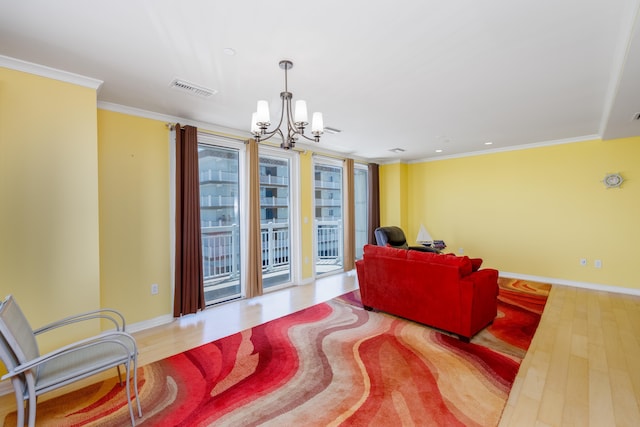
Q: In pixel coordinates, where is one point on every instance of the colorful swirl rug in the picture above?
(328, 365)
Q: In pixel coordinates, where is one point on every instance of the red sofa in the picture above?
(447, 292)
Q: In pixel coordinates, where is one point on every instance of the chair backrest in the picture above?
(16, 332)
(11, 362)
(6, 354)
(391, 235)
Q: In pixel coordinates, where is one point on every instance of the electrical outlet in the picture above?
(460, 251)
(154, 289)
(597, 263)
(583, 261)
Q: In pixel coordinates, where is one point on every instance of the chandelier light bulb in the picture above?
(255, 129)
(301, 118)
(317, 127)
(262, 116)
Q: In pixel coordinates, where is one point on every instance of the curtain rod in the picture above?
(172, 126)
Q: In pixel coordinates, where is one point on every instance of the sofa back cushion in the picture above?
(462, 263)
(385, 251)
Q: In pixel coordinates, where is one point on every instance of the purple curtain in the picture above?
(189, 282)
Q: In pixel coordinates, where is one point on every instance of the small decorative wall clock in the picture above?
(613, 180)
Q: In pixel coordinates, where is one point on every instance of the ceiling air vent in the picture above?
(331, 131)
(193, 89)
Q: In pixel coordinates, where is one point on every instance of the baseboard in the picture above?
(146, 324)
(563, 282)
(6, 387)
(306, 281)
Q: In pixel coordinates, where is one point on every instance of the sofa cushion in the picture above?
(476, 263)
(387, 251)
(424, 256)
(463, 263)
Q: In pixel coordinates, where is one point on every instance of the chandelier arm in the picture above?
(312, 139)
(267, 135)
(290, 124)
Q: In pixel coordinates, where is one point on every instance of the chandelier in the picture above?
(296, 121)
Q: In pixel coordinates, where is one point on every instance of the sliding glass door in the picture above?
(220, 203)
(328, 225)
(275, 219)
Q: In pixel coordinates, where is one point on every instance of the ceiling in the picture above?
(420, 75)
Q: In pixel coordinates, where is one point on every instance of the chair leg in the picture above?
(128, 373)
(32, 401)
(17, 386)
(119, 375)
(135, 383)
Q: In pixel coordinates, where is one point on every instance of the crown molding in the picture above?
(138, 112)
(52, 73)
(584, 138)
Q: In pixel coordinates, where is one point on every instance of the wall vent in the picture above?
(193, 89)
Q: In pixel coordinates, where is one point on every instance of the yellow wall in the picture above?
(393, 195)
(536, 211)
(49, 257)
(306, 213)
(134, 181)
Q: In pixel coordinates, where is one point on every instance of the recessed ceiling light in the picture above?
(229, 51)
(488, 143)
(397, 150)
(438, 150)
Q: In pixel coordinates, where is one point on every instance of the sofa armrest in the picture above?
(479, 295)
(487, 278)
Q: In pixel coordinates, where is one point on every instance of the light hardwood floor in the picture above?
(583, 365)
(582, 369)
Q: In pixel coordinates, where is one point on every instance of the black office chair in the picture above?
(394, 237)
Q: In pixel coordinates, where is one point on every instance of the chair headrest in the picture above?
(391, 235)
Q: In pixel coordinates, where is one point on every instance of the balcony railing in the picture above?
(274, 201)
(328, 184)
(329, 241)
(274, 179)
(209, 175)
(220, 252)
(210, 200)
(275, 246)
(221, 248)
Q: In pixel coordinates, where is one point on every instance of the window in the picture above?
(360, 196)
(329, 240)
